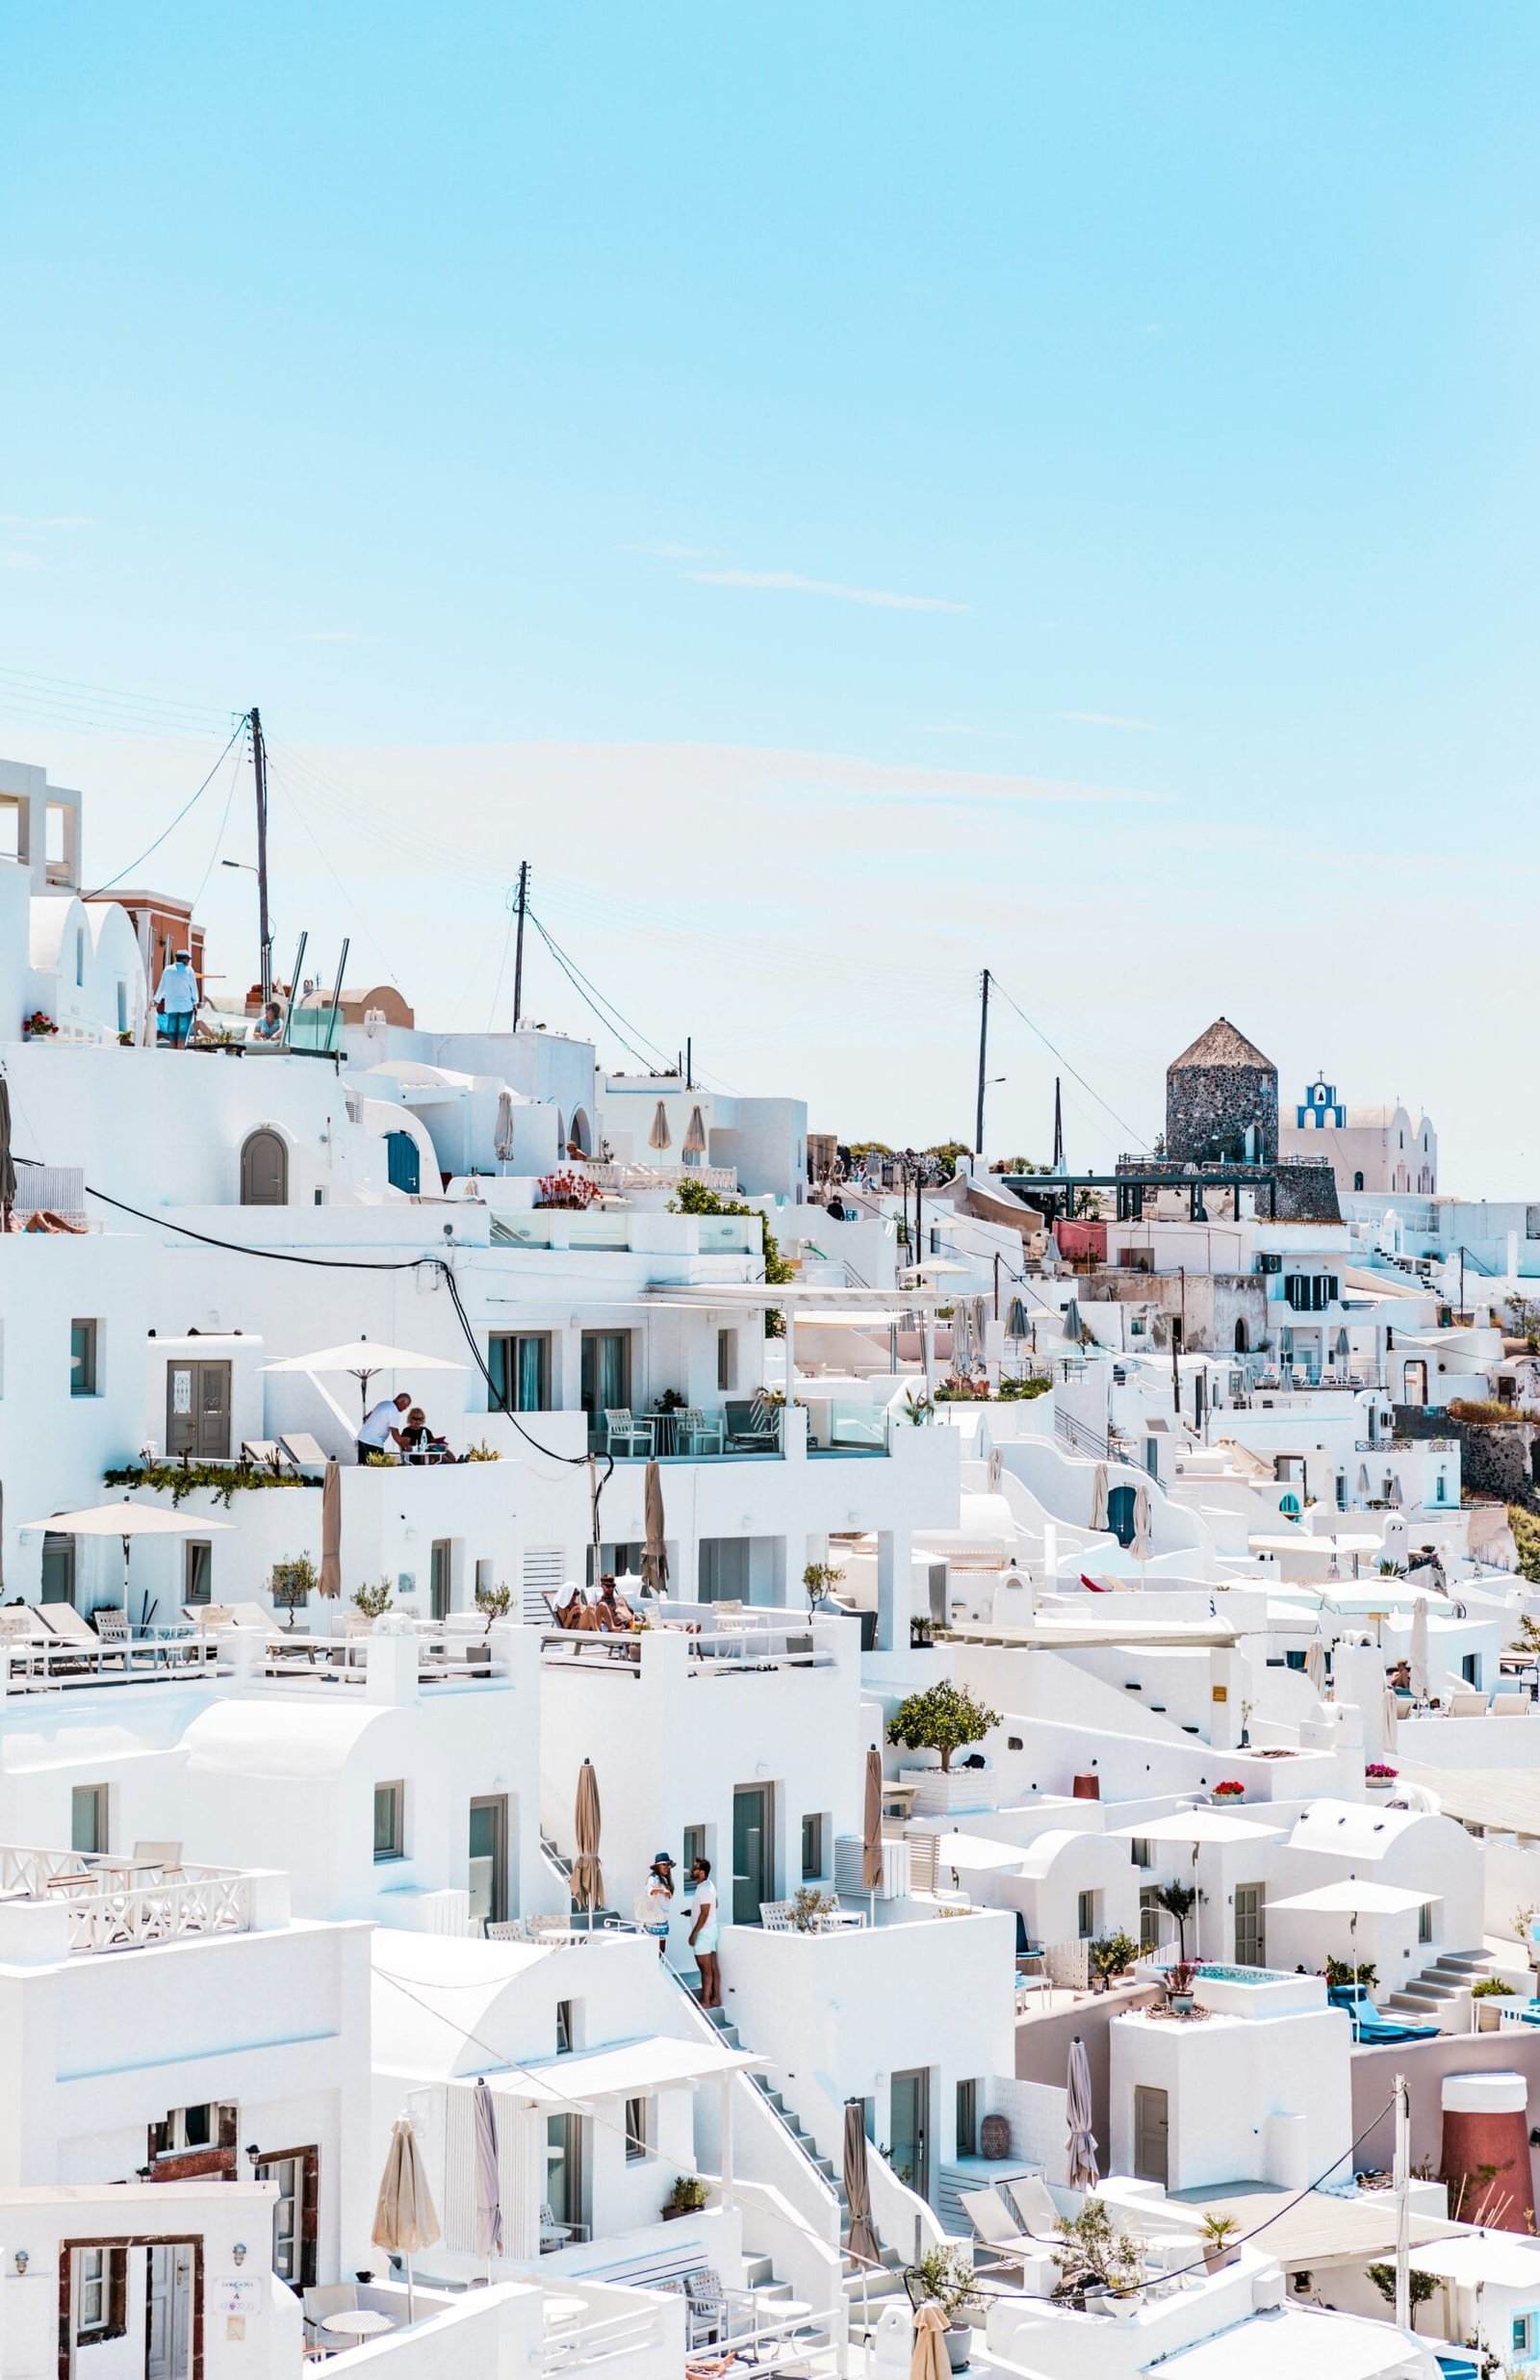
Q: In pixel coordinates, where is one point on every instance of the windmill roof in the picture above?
(1222, 1046)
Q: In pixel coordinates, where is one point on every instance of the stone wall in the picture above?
(1496, 1459)
(1209, 1304)
(1210, 1108)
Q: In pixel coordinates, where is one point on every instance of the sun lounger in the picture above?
(264, 1454)
(1467, 1706)
(304, 1450)
(1511, 1706)
(1370, 2030)
(1038, 2215)
(986, 2211)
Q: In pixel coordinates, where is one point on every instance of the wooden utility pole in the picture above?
(259, 763)
(983, 1058)
(521, 909)
(1058, 1130)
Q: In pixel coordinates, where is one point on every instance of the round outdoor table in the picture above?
(357, 2322)
(775, 2311)
(557, 2311)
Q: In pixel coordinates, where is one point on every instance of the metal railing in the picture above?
(1076, 1433)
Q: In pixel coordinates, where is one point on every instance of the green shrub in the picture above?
(940, 1720)
(1492, 1987)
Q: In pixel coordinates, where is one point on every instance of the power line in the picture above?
(135, 865)
(629, 1047)
(219, 836)
(1027, 1021)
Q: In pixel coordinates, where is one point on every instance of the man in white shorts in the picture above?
(704, 1933)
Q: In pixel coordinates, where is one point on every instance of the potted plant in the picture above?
(1093, 2259)
(1218, 2232)
(494, 1602)
(943, 1719)
(945, 2276)
(1490, 1987)
(1179, 1982)
(39, 1027)
(686, 2197)
(291, 1586)
(809, 1908)
(1112, 1954)
(374, 1601)
(1378, 1776)
(1229, 1789)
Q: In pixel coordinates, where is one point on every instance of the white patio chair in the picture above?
(987, 2214)
(306, 1453)
(1511, 1706)
(630, 1430)
(1038, 2215)
(691, 1426)
(1469, 1705)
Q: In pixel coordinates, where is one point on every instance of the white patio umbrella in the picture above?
(1417, 1661)
(1082, 2141)
(693, 1144)
(1098, 1496)
(1197, 1827)
(404, 2215)
(660, 1137)
(503, 1129)
(1316, 1665)
(488, 2184)
(364, 1358)
(127, 1521)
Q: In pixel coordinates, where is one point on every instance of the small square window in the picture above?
(566, 2027)
(727, 1359)
(1140, 1849)
(390, 1841)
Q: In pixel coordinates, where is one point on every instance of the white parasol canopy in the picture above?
(1355, 1895)
(1196, 1826)
(362, 1357)
(126, 1520)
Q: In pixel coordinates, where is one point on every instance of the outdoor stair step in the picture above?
(758, 2271)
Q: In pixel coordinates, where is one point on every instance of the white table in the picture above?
(357, 2322)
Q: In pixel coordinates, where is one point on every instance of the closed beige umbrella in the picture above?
(587, 1875)
(331, 1530)
(694, 1141)
(929, 2359)
(8, 1168)
(871, 1834)
(1391, 1716)
(1315, 1666)
(660, 1137)
(1098, 1496)
(655, 1552)
(861, 2238)
(404, 2216)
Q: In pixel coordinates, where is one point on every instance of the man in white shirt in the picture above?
(377, 1433)
(178, 1000)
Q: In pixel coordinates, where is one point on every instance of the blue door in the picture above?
(401, 1165)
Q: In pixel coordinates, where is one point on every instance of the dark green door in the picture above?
(753, 1853)
(908, 2124)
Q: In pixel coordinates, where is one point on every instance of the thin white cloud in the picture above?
(793, 582)
(661, 552)
(54, 520)
(333, 635)
(1103, 718)
(19, 562)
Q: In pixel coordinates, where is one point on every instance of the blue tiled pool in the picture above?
(1242, 1974)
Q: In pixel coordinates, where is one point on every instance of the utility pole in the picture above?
(259, 763)
(690, 1061)
(520, 909)
(1058, 1130)
(1401, 2174)
(983, 1058)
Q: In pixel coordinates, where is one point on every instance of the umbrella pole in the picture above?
(411, 2301)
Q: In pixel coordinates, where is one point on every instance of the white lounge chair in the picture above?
(986, 2211)
(1467, 1706)
(1511, 1706)
(305, 1452)
(1040, 2216)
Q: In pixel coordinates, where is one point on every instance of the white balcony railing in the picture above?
(122, 1904)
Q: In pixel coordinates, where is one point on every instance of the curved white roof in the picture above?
(1352, 1830)
(280, 1739)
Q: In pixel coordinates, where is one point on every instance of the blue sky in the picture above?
(853, 494)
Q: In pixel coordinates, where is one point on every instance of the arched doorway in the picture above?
(1120, 1514)
(1242, 1337)
(580, 1132)
(265, 1169)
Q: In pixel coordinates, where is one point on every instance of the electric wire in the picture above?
(620, 1020)
(219, 838)
(135, 865)
(626, 1045)
(1111, 1111)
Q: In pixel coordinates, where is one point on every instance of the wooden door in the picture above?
(1152, 2135)
(198, 1411)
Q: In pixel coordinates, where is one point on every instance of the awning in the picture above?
(1356, 1897)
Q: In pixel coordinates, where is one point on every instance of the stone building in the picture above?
(1222, 1101)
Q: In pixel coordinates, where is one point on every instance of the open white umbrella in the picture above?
(660, 1137)
(1082, 2141)
(1099, 1497)
(404, 2216)
(1417, 1661)
(364, 1358)
(127, 1521)
(488, 2184)
(1196, 1826)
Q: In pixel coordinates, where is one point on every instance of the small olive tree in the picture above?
(940, 1720)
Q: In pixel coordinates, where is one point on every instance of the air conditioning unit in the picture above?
(1271, 1262)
